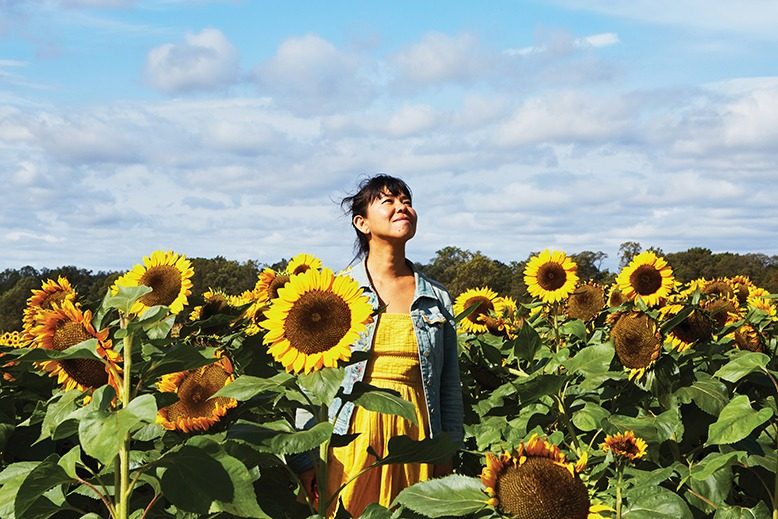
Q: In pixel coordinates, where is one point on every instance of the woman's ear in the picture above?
(361, 224)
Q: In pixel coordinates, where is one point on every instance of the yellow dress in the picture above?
(394, 364)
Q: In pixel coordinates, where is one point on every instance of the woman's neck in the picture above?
(387, 262)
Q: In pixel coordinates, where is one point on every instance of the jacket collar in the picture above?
(423, 286)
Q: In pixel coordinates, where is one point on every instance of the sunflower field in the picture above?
(648, 398)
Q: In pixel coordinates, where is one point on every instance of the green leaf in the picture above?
(246, 387)
(589, 417)
(376, 511)
(576, 328)
(193, 479)
(83, 350)
(592, 359)
(161, 328)
(527, 343)
(101, 432)
(402, 449)
(713, 462)
(125, 298)
(57, 411)
(323, 384)
(271, 439)
(677, 319)
(452, 496)
(656, 503)
(736, 421)
(709, 394)
(144, 407)
(45, 476)
(760, 511)
(10, 480)
(179, 357)
(741, 364)
(653, 429)
(538, 386)
(69, 461)
(382, 401)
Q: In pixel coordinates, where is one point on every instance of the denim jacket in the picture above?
(433, 324)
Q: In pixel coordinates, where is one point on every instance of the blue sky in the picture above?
(233, 127)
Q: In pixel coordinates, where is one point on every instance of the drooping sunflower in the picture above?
(722, 311)
(194, 411)
(551, 276)
(647, 276)
(50, 294)
(314, 320)
(586, 302)
(536, 481)
(215, 302)
(505, 321)
(742, 286)
(637, 342)
(625, 445)
(268, 284)
(759, 300)
(615, 296)
(301, 263)
(695, 327)
(169, 276)
(718, 287)
(67, 325)
(485, 298)
(747, 338)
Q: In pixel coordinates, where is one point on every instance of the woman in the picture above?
(413, 349)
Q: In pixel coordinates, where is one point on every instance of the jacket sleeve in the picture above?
(452, 408)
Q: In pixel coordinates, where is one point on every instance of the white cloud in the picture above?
(309, 75)
(563, 42)
(203, 61)
(440, 58)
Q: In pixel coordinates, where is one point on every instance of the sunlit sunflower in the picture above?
(747, 338)
(268, 284)
(536, 481)
(314, 320)
(647, 276)
(50, 294)
(301, 263)
(14, 339)
(696, 327)
(759, 300)
(194, 411)
(637, 342)
(625, 445)
(586, 302)
(505, 320)
(485, 298)
(551, 276)
(215, 302)
(167, 273)
(67, 325)
(742, 286)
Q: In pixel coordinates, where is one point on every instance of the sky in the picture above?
(234, 128)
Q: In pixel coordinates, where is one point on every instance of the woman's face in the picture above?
(389, 217)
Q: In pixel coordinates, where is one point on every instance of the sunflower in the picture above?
(268, 284)
(169, 276)
(14, 339)
(747, 338)
(722, 310)
(550, 276)
(51, 293)
(215, 302)
(647, 276)
(65, 326)
(741, 286)
(759, 299)
(485, 298)
(301, 263)
(615, 296)
(195, 410)
(625, 445)
(586, 302)
(695, 327)
(536, 481)
(314, 320)
(637, 342)
(505, 321)
(718, 287)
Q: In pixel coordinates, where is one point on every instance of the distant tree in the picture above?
(444, 266)
(589, 265)
(627, 251)
(14, 300)
(219, 273)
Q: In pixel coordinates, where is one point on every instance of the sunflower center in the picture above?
(67, 334)
(317, 321)
(585, 303)
(646, 280)
(87, 372)
(693, 328)
(625, 447)
(484, 305)
(53, 298)
(718, 288)
(278, 282)
(213, 307)
(720, 310)
(551, 276)
(539, 488)
(635, 343)
(301, 268)
(165, 282)
(195, 390)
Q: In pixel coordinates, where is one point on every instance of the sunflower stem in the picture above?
(322, 469)
(566, 419)
(619, 472)
(123, 492)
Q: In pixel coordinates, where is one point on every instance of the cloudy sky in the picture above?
(233, 128)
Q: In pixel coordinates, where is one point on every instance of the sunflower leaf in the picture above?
(527, 343)
(384, 401)
(179, 357)
(83, 350)
(45, 476)
(125, 298)
(709, 394)
(592, 359)
(760, 511)
(246, 387)
(193, 479)
(736, 421)
(403, 449)
(656, 503)
(278, 438)
(452, 496)
(323, 384)
(741, 364)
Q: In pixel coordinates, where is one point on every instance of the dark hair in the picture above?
(369, 190)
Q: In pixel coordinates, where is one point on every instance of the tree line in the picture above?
(458, 269)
